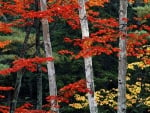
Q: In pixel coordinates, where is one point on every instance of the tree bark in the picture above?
(39, 89)
(50, 64)
(19, 74)
(87, 61)
(16, 92)
(38, 73)
(122, 66)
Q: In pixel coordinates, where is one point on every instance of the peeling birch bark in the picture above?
(122, 66)
(87, 61)
(50, 64)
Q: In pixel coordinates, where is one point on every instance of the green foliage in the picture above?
(142, 10)
(3, 66)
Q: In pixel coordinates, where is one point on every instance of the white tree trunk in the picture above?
(122, 66)
(50, 64)
(87, 61)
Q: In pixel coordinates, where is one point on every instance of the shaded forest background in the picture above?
(69, 70)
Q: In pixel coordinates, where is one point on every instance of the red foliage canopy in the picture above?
(69, 90)
(5, 28)
(4, 43)
(30, 64)
(6, 88)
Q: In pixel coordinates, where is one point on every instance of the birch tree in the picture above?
(50, 65)
(122, 66)
(87, 61)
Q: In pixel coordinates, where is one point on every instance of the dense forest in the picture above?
(74, 56)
